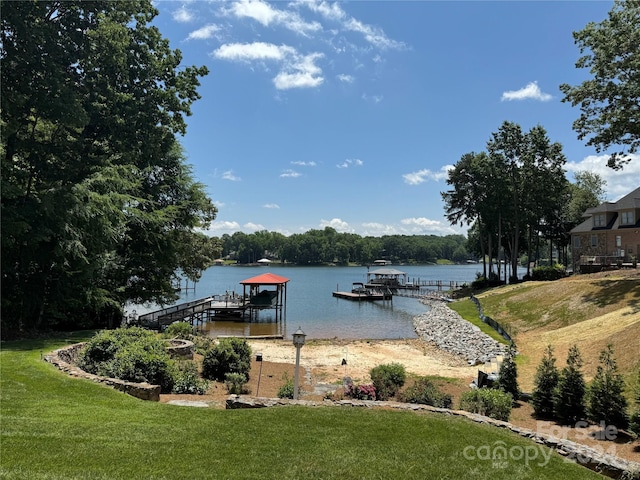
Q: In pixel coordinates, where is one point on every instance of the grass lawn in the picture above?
(57, 427)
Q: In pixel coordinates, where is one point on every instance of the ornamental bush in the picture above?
(286, 390)
(388, 379)
(424, 392)
(360, 392)
(487, 401)
(133, 354)
(187, 379)
(235, 383)
(182, 330)
(231, 355)
(549, 273)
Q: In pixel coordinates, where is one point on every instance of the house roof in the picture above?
(265, 279)
(386, 271)
(628, 202)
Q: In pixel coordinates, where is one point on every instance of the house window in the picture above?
(576, 242)
(626, 218)
(599, 220)
(594, 240)
(618, 241)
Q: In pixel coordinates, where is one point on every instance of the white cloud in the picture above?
(253, 227)
(416, 178)
(531, 91)
(422, 225)
(290, 174)
(225, 226)
(355, 162)
(182, 15)
(253, 51)
(203, 33)
(271, 205)
(372, 98)
(375, 229)
(619, 182)
(338, 224)
(303, 73)
(266, 15)
(345, 78)
(304, 164)
(229, 175)
(373, 35)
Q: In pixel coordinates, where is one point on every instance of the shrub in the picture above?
(360, 392)
(423, 391)
(508, 374)
(487, 401)
(187, 379)
(231, 355)
(133, 354)
(202, 344)
(568, 397)
(546, 381)
(554, 272)
(606, 401)
(286, 390)
(235, 383)
(182, 330)
(387, 379)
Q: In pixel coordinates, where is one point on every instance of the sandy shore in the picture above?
(325, 357)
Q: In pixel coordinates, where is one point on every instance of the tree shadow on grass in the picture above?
(616, 291)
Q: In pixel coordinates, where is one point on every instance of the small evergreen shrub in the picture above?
(187, 379)
(182, 330)
(286, 390)
(606, 400)
(388, 379)
(231, 355)
(549, 273)
(569, 395)
(360, 392)
(235, 383)
(546, 381)
(202, 344)
(508, 374)
(487, 401)
(424, 392)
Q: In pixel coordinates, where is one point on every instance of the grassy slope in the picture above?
(57, 427)
(590, 311)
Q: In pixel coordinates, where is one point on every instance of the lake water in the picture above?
(311, 306)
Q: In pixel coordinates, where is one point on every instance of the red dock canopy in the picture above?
(265, 279)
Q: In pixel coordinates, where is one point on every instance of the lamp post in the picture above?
(298, 342)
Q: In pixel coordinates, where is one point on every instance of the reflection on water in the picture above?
(240, 328)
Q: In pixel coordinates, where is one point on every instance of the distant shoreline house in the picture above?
(609, 237)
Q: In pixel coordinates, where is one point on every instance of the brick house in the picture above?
(610, 235)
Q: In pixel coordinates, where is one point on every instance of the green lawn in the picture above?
(57, 427)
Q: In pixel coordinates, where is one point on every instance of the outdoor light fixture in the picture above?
(259, 359)
(298, 342)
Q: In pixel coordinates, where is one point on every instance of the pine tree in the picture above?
(546, 381)
(606, 393)
(508, 374)
(569, 395)
(634, 420)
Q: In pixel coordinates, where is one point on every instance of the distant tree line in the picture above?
(317, 247)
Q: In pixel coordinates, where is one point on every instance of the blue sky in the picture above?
(348, 114)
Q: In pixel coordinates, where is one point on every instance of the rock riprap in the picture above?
(452, 333)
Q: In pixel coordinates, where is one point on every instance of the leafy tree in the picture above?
(98, 206)
(546, 381)
(606, 401)
(609, 101)
(508, 374)
(569, 396)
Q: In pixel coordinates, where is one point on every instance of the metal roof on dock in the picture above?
(265, 279)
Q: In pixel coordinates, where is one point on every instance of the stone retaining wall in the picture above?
(180, 349)
(604, 464)
(66, 357)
